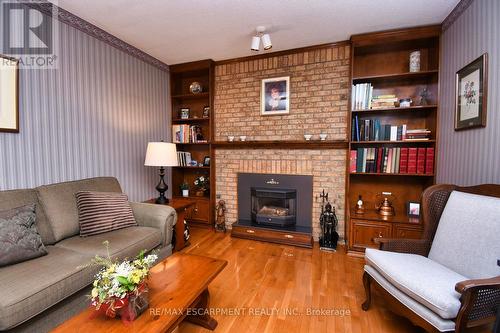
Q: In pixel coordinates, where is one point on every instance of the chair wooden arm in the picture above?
(463, 286)
(480, 302)
(401, 245)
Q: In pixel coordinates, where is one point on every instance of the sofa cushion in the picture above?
(467, 237)
(59, 203)
(426, 281)
(33, 286)
(16, 198)
(100, 212)
(19, 239)
(123, 243)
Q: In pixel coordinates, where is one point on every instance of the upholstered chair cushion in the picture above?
(467, 239)
(424, 280)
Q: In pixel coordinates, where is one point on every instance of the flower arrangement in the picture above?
(120, 288)
(202, 183)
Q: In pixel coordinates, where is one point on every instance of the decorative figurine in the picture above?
(360, 208)
(328, 222)
(199, 134)
(220, 222)
(187, 233)
(424, 95)
(385, 208)
(195, 88)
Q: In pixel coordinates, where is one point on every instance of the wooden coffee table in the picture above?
(178, 288)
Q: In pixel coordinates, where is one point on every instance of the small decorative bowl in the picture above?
(323, 136)
(243, 137)
(307, 137)
(230, 138)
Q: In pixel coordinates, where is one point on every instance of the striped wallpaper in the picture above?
(472, 156)
(93, 116)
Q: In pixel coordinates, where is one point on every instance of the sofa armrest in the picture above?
(414, 246)
(156, 216)
(480, 301)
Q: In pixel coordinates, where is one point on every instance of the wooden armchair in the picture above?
(478, 298)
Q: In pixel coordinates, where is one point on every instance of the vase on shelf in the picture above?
(200, 193)
(185, 193)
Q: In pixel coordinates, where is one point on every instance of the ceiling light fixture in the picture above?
(266, 39)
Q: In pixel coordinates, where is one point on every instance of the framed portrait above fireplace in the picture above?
(275, 96)
(9, 94)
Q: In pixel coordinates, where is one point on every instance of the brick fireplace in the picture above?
(319, 80)
(326, 166)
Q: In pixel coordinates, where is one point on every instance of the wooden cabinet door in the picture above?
(200, 211)
(405, 231)
(364, 234)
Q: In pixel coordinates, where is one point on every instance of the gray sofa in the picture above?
(39, 294)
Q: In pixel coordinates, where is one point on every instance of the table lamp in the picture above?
(161, 154)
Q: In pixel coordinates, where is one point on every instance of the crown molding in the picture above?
(455, 13)
(77, 22)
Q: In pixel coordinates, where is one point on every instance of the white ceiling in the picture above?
(176, 31)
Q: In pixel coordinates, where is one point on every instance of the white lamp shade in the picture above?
(266, 41)
(255, 43)
(161, 154)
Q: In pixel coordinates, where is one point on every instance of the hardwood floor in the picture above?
(263, 280)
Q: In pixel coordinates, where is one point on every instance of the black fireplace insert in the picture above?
(275, 201)
(274, 206)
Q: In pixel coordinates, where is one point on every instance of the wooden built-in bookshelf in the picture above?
(382, 60)
(181, 77)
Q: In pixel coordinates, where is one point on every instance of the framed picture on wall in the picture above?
(275, 96)
(9, 94)
(471, 94)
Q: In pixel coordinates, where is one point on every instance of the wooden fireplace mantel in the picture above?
(281, 144)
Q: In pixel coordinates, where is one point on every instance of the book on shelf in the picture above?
(395, 160)
(183, 133)
(421, 154)
(184, 158)
(429, 161)
(361, 96)
(412, 160)
(420, 134)
(383, 101)
(374, 130)
(352, 161)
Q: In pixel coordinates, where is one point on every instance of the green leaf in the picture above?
(123, 280)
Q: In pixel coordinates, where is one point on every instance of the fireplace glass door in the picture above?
(274, 206)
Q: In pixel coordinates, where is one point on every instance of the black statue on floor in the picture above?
(328, 222)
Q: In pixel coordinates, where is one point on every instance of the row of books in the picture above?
(187, 134)
(384, 102)
(373, 130)
(361, 96)
(392, 160)
(184, 158)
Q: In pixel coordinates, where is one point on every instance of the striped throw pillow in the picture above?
(101, 212)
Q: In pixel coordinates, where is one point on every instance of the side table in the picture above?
(181, 205)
